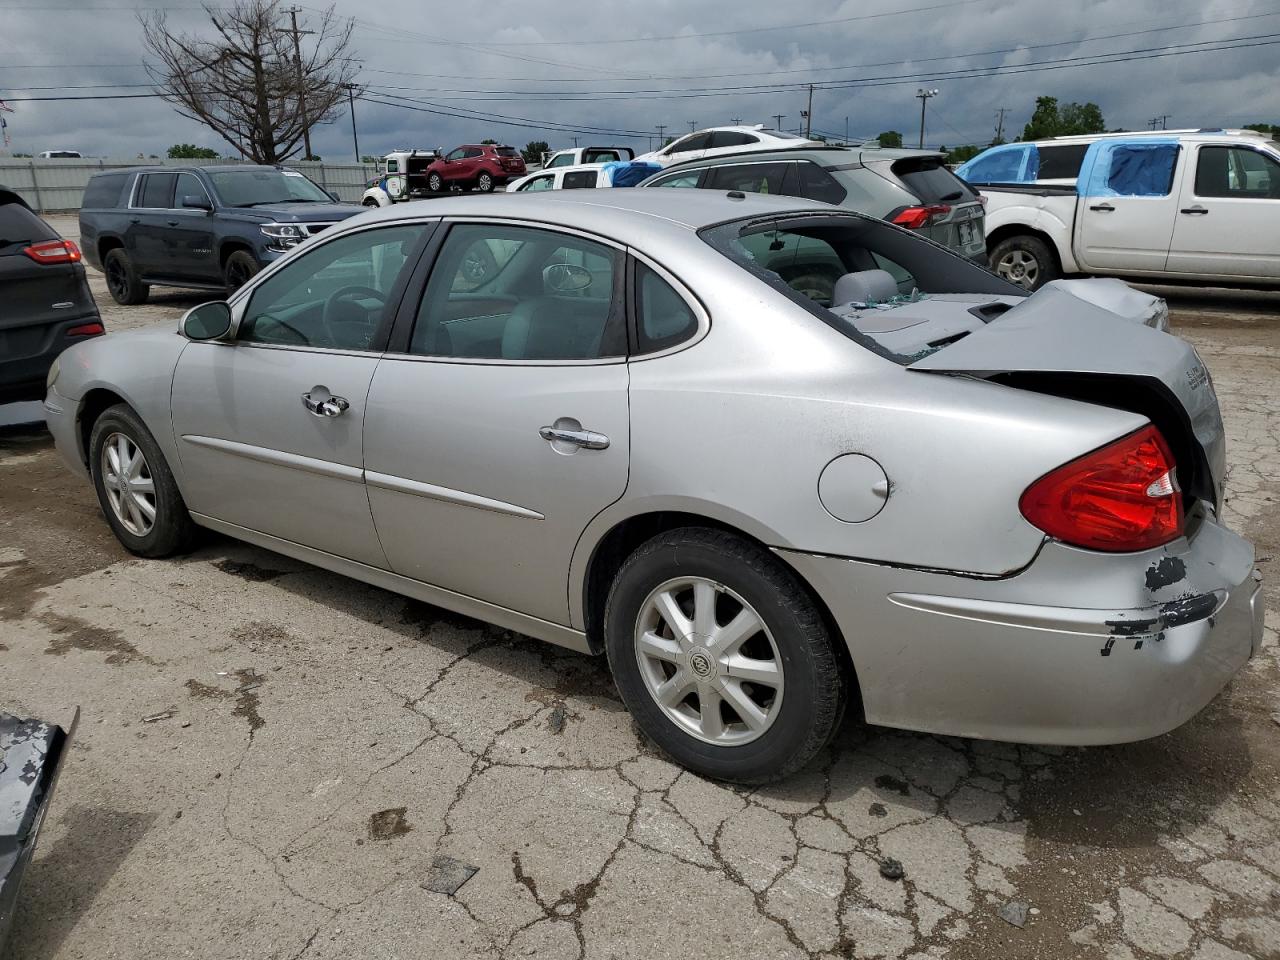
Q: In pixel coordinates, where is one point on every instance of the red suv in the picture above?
(475, 166)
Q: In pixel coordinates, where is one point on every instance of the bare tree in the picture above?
(251, 80)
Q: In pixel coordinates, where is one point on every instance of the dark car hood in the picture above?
(299, 212)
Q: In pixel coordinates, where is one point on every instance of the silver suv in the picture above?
(912, 188)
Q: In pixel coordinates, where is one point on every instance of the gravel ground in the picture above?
(337, 756)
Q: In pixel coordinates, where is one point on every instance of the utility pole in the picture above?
(691, 125)
(302, 90)
(1000, 124)
(662, 129)
(808, 116)
(778, 117)
(924, 96)
(351, 99)
(736, 121)
(846, 131)
(1159, 123)
(575, 141)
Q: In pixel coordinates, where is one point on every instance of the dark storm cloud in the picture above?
(65, 44)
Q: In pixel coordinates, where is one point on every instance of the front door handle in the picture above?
(587, 439)
(135, 219)
(324, 404)
(1103, 208)
(1196, 211)
(172, 223)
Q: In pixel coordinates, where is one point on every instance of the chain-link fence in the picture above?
(56, 186)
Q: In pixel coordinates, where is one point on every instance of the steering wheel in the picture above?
(330, 317)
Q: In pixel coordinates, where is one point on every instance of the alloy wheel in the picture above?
(1020, 267)
(486, 183)
(117, 281)
(709, 661)
(131, 490)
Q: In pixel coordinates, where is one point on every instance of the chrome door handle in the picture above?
(1196, 211)
(327, 407)
(587, 439)
(1102, 207)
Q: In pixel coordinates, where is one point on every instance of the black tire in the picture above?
(435, 183)
(122, 279)
(172, 530)
(486, 182)
(1026, 261)
(370, 202)
(239, 269)
(816, 678)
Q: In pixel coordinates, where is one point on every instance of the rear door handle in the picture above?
(172, 223)
(135, 219)
(587, 439)
(327, 406)
(1196, 211)
(1103, 208)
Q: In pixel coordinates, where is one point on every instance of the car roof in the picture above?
(823, 155)
(214, 168)
(599, 210)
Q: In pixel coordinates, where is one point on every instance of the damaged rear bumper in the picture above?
(31, 753)
(1079, 648)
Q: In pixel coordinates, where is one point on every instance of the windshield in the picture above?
(249, 188)
(870, 280)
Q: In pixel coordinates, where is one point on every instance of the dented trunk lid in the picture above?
(1099, 342)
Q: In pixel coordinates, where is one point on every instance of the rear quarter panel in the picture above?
(1054, 216)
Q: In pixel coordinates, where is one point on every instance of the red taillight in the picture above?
(1119, 498)
(913, 218)
(86, 330)
(53, 251)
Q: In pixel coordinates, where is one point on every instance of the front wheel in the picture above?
(239, 269)
(435, 183)
(722, 657)
(1026, 261)
(135, 487)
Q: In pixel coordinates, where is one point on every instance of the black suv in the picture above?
(206, 227)
(45, 303)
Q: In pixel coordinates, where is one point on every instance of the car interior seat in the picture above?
(863, 286)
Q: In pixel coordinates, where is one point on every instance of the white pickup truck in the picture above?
(1198, 205)
(577, 156)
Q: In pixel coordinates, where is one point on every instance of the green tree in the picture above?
(488, 141)
(533, 151)
(890, 138)
(1069, 119)
(1272, 128)
(961, 154)
(189, 151)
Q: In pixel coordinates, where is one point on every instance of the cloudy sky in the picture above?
(623, 68)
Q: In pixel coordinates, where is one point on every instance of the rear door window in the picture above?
(1061, 162)
(814, 183)
(103, 192)
(931, 181)
(157, 191)
(732, 138)
(579, 179)
(750, 177)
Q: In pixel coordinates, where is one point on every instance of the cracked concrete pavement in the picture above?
(328, 741)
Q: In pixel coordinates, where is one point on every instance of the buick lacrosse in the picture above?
(773, 459)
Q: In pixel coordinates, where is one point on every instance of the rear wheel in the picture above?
(1026, 261)
(122, 279)
(485, 182)
(239, 269)
(135, 487)
(722, 657)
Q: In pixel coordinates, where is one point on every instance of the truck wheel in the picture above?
(240, 266)
(485, 182)
(435, 183)
(122, 279)
(1026, 261)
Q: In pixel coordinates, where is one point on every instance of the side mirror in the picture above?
(333, 196)
(196, 202)
(566, 277)
(209, 321)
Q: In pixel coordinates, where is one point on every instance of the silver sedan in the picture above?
(774, 460)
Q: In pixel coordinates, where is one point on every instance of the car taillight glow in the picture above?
(86, 330)
(53, 251)
(1119, 498)
(913, 218)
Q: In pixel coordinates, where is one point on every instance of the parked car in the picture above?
(615, 173)
(577, 156)
(1171, 205)
(31, 756)
(968, 510)
(209, 228)
(59, 155)
(402, 175)
(475, 166)
(912, 188)
(717, 141)
(45, 302)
